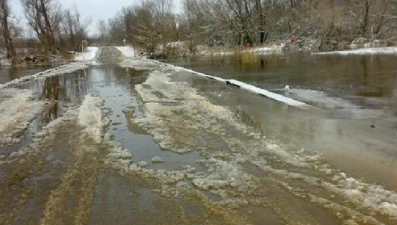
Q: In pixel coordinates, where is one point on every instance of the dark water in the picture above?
(116, 86)
(363, 86)
(8, 73)
(355, 78)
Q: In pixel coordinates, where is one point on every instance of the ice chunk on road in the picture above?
(17, 108)
(90, 117)
(371, 196)
(143, 164)
(224, 174)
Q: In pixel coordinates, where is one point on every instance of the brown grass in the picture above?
(246, 57)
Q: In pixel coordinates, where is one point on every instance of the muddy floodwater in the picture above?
(135, 141)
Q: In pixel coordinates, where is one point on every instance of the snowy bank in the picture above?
(127, 51)
(90, 117)
(17, 108)
(362, 51)
(273, 49)
(88, 55)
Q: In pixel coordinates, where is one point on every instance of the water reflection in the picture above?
(60, 92)
(393, 100)
(51, 88)
(346, 143)
(116, 86)
(337, 75)
(9, 73)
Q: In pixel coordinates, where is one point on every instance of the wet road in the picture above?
(229, 156)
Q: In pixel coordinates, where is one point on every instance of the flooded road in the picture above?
(149, 143)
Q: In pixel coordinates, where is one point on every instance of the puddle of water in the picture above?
(61, 92)
(9, 73)
(350, 145)
(115, 85)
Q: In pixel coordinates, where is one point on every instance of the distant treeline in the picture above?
(152, 24)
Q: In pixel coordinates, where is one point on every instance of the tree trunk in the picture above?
(49, 31)
(11, 54)
(366, 19)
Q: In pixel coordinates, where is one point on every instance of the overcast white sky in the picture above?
(94, 9)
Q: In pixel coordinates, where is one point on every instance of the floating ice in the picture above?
(17, 107)
(370, 196)
(224, 174)
(157, 159)
(143, 164)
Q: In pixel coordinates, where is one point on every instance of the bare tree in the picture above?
(73, 28)
(164, 22)
(44, 17)
(104, 32)
(8, 30)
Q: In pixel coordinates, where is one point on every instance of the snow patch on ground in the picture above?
(273, 49)
(17, 108)
(127, 51)
(260, 50)
(118, 157)
(46, 133)
(5, 62)
(373, 197)
(91, 118)
(162, 98)
(88, 55)
(362, 51)
(224, 174)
